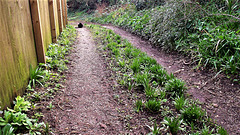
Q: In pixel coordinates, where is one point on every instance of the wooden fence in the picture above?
(27, 27)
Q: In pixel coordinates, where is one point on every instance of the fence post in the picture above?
(63, 13)
(52, 21)
(60, 18)
(34, 5)
(66, 12)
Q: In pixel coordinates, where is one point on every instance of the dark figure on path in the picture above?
(80, 25)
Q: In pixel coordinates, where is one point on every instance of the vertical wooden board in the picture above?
(17, 49)
(45, 21)
(56, 17)
(60, 18)
(37, 27)
(63, 13)
(66, 12)
(52, 21)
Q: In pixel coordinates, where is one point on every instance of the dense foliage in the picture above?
(208, 34)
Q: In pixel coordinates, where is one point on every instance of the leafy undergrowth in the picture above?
(206, 34)
(163, 95)
(45, 81)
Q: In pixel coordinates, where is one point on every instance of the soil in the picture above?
(86, 105)
(92, 103)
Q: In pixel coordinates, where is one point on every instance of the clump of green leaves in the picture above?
(7, 130)
(222, 131)
(135, 65)
(139, 105)
(180, 103)
(173, 124)
(21, 104)
(36, 75)
(175, 86)
(153, 105)
(155, 130)
(192, 114)
(17, 119)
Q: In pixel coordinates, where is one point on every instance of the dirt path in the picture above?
(220, 97)
(86, 106)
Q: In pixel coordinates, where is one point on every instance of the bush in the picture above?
(205, 33)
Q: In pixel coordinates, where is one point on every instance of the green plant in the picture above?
(128, 52)
(21, 104)
(192, 114)
(7, 130)
(37, 115)
(222, 131)
(142, 79)
(50, 106)
(153, 105)
(155, 129)
(150, 92)
(139, 105)
(206, 131)
(46, 129)
(161, 93)
(17, 120)
(35, 76)
(36, 96)
(122, 63)
(175, 86)
(180, 103)
(173, 124)
(135, 66)
(35, 128)
(232, 5)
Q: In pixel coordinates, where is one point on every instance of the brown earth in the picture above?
(92, 103)
(86, 105)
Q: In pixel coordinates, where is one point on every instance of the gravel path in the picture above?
(86, 106)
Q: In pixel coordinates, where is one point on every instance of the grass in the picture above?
(162, 93)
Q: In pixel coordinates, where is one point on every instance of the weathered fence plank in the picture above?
(66, 12)
(60, 17)
(63, 13)
(53, 19)
(45, 21)
(37, 27)
(17, 49)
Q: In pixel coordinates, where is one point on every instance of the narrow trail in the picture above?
(220, 97)
(86, 105)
